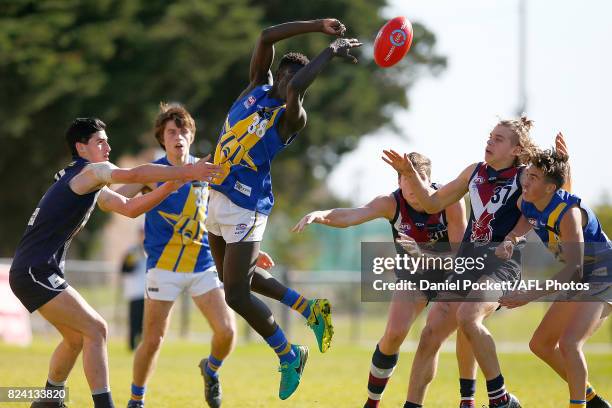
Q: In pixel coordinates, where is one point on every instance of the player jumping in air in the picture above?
(494, 189)
(37, 271)
(435, 234)
(573, 233)
(263, 121)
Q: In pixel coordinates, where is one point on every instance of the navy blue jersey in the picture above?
(493, 204)
(430, 231)
(597, 248)
(58, 217)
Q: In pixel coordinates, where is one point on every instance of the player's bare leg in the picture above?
(586, 318)
(403, 311)
(71, 310)
(155, 325)
(466, 361)
(441, 323)
(223, 324)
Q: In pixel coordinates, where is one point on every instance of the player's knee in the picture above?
(236, 299)
(226, 334)
(430, 342)
(97, 329)
(74, 342)
(540, 347)
(466, 320)
(394, 336)
(152, 343)
(569, 346)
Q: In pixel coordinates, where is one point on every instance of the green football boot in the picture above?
(320, 322)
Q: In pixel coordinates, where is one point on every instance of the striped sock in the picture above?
(467, 388)
(281, 346)
(297, 302)
(497, 391)
(577, 404)
(409, 404)
(213, 366)
(380, 371)
(137, 392)
(590, 392)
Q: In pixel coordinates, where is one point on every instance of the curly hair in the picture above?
(293, 58)
(521, 128)
(553, 164)
(175, 112)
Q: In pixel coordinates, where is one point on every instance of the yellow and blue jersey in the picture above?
(597, 248)
(175, 237)
(248, 143)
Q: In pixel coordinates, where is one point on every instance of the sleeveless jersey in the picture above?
(248, 143)
(597, 248)
(493, 208)
(430, 231)
(58, 217)
(175, 237)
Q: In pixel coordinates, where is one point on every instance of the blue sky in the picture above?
(569, 83)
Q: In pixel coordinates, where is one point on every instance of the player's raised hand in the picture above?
(409, 245)
(560, 145)
(264, 260)
(341, 47)
(504, 250)
(400, 163)
(332, 26)
(315, 216)
(204, 170)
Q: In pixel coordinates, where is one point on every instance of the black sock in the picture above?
(467, 388)
(103, 400)
(412, 405)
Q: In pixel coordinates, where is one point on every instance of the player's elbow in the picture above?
(266, 35)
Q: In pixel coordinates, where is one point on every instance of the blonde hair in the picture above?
(421, 163)
(521, 129)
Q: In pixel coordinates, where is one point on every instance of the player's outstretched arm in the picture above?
(263, 55)
(381, 207)
(506, 248)
(96, 175)
(294, 118)
(438, 200)
(457, 223)
(109, 200)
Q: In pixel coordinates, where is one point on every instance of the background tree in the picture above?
(116, 60)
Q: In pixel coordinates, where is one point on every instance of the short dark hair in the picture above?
(293, 58)
(81, 130)
(553, 164)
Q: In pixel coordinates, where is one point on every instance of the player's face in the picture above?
(501, 145)
(97, 149)
(409, 194)
(284, 76)
(177, 140)
(535, 185)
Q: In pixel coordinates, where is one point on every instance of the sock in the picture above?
(380, 371)
(297, 302)
(467, 388)
(213, 366)
(577, 404)
(102, 399)
(409, 404)
(497, 391)
(55, 385)
(137, 392)
(590, 392)
(281, 346)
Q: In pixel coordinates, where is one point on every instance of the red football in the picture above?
(392, 42)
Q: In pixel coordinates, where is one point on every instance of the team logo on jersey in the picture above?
(482, 230)
(187, 228)
(249, 102)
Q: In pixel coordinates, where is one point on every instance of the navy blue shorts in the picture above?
(36, 285)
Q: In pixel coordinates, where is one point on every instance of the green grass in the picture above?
(249, 377)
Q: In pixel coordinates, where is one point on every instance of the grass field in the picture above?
(336, 379)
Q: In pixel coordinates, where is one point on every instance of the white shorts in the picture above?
(233, 223)
(167, 285)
